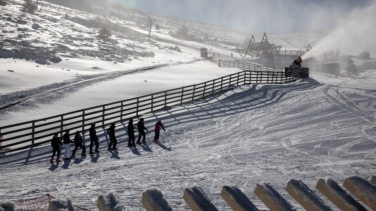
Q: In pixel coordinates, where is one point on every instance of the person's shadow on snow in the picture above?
(146, 147)
(66, 164)
(135, 150)
(94, 157)
(163, 146)
(115, 154)
(53, 166)
(78, 160)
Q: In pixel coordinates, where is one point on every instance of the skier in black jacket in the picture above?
(113, 140)
(55, 144)
(141, 131)
(93, 139)
(78, 142)
(131, 134)
(67, 145)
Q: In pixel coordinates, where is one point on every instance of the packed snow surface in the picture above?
(252, 134)
(319, 127)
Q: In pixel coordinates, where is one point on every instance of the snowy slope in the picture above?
(253, 134)
(314, 128)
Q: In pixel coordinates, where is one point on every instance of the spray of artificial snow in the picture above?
(353, 36)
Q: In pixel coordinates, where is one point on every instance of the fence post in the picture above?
(267, 76)
(229, 84)
(32, 133)
(263, 76)
(221, 83)
(152, 103)
(138, 102)
(83, 122)
(165, 99)
(194, 91)
(103, 113)
(256, 77)
(181, 95)
(237, 83)
(121, 111)
(62, 124)
(203, 95)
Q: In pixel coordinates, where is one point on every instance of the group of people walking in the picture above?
(94, 140)
(141, 132)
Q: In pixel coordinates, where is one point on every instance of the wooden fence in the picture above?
(33, 133)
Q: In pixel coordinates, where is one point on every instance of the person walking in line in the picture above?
(78, 142)
(157, 130)
(131, 137)
(55, 144)
(141, 131)
(93, 139)
(67, 145)
(113, 140)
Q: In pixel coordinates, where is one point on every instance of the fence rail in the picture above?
(33, 133)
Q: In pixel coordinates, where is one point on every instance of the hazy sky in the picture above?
(271, 16)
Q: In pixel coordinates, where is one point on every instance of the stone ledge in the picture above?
(153, 200)
(271, 198)
(338, 196)
(197, 200)
(236, 199)
(362, 189)
(305, 196)
(363, 194)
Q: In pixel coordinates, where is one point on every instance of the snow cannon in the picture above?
(296, 69)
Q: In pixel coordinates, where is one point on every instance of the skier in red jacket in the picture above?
(157, 130)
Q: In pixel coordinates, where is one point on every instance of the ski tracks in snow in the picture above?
(243, 137)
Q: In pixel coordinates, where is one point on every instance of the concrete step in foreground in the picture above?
(357, 194)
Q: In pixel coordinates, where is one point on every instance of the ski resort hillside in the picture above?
(54, 61)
